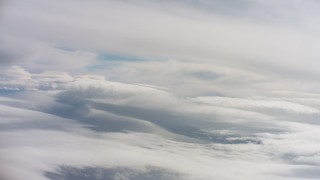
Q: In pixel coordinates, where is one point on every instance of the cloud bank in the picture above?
(159, 90)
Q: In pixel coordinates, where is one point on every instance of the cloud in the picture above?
(90, 122)
(251, 103)
(37, 56)
(210, 36)
(159, 89)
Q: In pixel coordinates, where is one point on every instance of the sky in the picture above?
(159, 90)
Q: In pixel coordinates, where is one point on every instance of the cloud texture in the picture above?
(159, 90)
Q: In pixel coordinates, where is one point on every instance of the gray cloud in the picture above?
(89, 173)
(210, 36)
(218, 90)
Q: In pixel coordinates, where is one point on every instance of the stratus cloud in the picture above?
(111, 150)
(25, 152)
(213, 95)
(248, 151)
(213, 36)
(94, 88)
(37, 56)
(254, 103)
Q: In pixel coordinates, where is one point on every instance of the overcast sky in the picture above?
(159, 89)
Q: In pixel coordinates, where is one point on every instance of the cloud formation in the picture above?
(159, 90)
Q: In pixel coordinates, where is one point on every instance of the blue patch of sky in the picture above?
(109, 56)
(4, 91)
(109, 60)
(118, 57)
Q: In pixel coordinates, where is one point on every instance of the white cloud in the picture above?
(208, 89)
(29, 136)
(126, 27)
(256, 103)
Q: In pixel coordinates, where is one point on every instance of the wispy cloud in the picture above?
(159, 90)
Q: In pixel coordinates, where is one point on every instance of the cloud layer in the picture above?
(159, 90)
